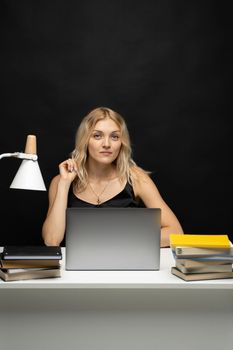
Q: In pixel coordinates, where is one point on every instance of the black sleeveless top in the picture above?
(124, 199)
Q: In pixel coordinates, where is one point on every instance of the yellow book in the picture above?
(200, 241)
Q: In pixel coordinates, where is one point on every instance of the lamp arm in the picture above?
(20, 155)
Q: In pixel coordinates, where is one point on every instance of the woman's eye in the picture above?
(115, 137)
(97, 136)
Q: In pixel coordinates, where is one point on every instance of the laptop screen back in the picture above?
(113, 238)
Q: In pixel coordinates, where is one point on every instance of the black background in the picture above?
(165, 66)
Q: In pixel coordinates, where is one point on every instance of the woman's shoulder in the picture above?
(140, 179)
(139, 175)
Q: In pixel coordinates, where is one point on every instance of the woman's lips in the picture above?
(106, 153)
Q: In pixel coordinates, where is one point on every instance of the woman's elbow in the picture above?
(176, 229)
(49, 239)
(51, 242)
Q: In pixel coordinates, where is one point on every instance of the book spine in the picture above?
(203, 269)
(24, 265)
(199, 263)
(201, 276)
(30, 257)
(199, 252)
(9, 275)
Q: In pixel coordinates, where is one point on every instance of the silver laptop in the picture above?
(113, 238)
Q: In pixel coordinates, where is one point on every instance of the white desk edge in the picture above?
(162, 279)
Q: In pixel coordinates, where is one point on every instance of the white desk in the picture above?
(117, 311)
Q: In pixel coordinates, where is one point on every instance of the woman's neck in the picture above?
(101, 173)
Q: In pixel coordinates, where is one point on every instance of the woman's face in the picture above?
(105, 142)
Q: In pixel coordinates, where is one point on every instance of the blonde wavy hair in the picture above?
(125, 166)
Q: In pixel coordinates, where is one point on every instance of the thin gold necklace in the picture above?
(100, 194)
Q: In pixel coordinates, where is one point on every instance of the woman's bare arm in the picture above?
(53, 229)
(146, 189)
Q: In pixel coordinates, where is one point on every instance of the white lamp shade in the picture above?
(28, 177)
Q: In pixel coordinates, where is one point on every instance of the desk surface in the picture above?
(162, 279)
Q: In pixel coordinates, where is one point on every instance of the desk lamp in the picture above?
(28, 177)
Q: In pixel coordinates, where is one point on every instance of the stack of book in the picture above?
(201, 257)
(30, 262)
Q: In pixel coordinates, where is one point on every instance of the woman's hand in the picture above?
(68, 170)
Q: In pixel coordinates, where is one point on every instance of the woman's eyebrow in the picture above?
(95, 130)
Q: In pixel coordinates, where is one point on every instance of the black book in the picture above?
(31, 252)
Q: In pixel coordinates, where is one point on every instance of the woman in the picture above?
(101, 173)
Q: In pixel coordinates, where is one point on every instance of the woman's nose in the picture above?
(106, 142)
